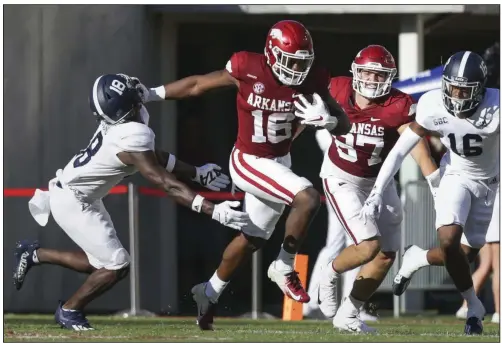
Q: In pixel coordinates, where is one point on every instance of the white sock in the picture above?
(351, 306)
(330, 272)
(35, 257)
(214, 287)
(348, 279)
(414, 262)
(470, 296)
(285, 261)
(422, 258)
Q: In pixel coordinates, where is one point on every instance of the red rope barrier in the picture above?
(122, 189)
(28, 192)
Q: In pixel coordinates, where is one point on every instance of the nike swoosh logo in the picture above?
(318, 296)
(374, 119)
(315, 119)
(295, 297)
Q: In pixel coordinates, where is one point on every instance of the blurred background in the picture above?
(53, 53)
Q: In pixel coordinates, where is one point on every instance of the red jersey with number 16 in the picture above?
(265, 106)
(374, 129)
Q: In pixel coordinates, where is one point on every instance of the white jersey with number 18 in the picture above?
(96, 169)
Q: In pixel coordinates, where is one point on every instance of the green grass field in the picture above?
(408, 329)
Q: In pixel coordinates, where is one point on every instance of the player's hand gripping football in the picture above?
(210, 176)
(372, 207)
(227, 216)
(315, 113)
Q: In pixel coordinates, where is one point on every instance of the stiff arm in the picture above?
(147, 164)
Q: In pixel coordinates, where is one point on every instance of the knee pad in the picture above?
(120, 259)
(252, 230)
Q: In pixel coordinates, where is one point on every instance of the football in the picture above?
(308, 97)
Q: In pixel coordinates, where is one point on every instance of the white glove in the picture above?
(210, 176)
(315, 114)
(434, 180)
(224, 214)
(133, 81)
(144, 93)
(372, 207)
(150, 94)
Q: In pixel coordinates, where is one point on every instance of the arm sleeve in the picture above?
(324, 139)
(393, 162)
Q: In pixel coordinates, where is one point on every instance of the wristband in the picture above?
(197, 203)
(157, 94)
(170, 163)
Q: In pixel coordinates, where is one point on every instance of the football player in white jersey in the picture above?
(466, 115)
(122, 145)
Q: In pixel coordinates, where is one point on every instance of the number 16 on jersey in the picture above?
(279, 127)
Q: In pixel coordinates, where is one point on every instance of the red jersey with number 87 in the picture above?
(265, 106)
(374, 129)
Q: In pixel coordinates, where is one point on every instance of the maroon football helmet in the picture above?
(289, 51)
(373, 70)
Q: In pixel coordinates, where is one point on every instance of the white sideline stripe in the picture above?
(263, 183)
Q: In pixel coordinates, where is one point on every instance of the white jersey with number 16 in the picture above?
(473, 142)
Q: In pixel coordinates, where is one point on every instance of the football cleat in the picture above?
(72, 319)
(205, 307)
(23, 257)
(408, 268)
(351, 324)
(473, 326)
(327, 296)
(289, 283)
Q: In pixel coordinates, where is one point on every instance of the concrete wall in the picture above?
(52, 54)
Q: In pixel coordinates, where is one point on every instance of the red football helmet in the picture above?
(290, 52)
(373, 70)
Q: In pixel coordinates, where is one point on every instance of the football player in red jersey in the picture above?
(378, 114)
(270, 98)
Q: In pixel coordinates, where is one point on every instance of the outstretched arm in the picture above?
(408, 140)
(189, 86)
(208, 175)
(179, 168)
(151, 169)
(422, 154)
